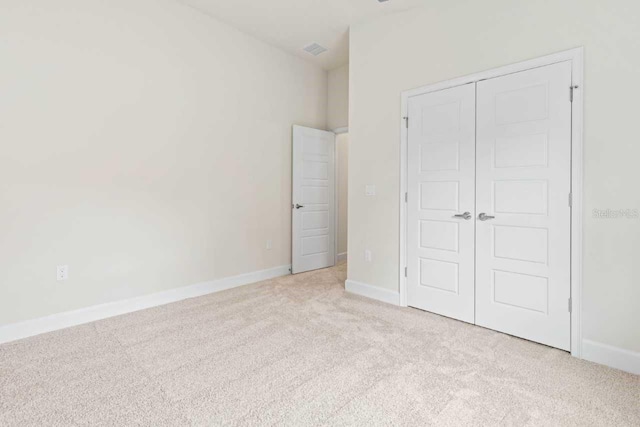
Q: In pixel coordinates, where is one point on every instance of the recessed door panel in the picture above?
(316, 170)
(521, 104)
(440, 156)
(523, 174)
(440, 195)
(312, 195)
(439, 235)
(520, 291)
(520, 151)
(521, 243)
(440, 275)
(527, 197)
(315, 220)
(441, 185)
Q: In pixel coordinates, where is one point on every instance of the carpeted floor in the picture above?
(300, 351)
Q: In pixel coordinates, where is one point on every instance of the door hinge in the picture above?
(571, 89)
(406, 197)
(570, 200)
(406, 121)
(570, 305)
(405, 272)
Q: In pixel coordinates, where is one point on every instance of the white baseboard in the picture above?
(342, 257)
(16, 331)
(373, 292)
(615, 357)
(592, 351)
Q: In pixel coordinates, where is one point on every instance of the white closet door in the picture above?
(523, 185)
(440, 186)
(313, 202)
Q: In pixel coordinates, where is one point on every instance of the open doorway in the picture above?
(319, 199)
(342, 192)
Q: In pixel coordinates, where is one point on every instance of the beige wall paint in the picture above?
(145, 145)
(342, 150)
(338, 101)
(452, 39)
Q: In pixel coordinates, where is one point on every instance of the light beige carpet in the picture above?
(300, 351)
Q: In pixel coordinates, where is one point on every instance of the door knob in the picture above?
(466, 215)
(299, 206)
(484, 217)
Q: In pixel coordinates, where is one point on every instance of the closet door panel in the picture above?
(523, 183)
(441, 175)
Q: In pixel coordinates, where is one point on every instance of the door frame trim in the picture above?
(338, 131)
(576, 56)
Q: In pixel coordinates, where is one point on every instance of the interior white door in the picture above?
(313, 199)
(523, 185)
(441, 193)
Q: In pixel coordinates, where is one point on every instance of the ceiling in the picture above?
(294, 24)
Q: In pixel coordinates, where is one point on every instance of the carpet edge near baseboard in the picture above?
(24, 329)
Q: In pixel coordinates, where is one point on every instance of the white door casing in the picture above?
(313, 199)
(523, 179)
(441, 175)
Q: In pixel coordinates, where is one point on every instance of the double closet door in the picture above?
(489, 181)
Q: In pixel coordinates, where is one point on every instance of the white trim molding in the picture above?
(615, 357)
(339, 131)
(28, 328)
(342, 257)
(576, 58)
(373, 292)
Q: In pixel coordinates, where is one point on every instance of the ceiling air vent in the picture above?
(315, 49)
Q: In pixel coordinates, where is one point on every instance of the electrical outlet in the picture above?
(62, 272)
(370, 190)
(269, 245)
(367, 255)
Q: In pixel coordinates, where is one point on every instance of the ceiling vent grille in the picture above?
(315, 49)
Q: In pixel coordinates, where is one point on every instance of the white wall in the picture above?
(454, 38)
(338, 101)
(342, 150)
(145, 145)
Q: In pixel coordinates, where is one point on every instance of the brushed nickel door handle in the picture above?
(466, 215)
(484, 217)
